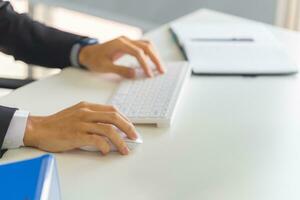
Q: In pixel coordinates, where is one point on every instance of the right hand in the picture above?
(84, 124)
(101, 57)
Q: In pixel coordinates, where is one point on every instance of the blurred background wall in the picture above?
(162, 11)
(148, 14)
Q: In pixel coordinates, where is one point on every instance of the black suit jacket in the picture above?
(6, 115)
(33, 43)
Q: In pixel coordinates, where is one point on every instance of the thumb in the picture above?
(123, 71)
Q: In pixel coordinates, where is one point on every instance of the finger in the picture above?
(99, 107)
(115, 119)
(124, 71)
(149, 50)
(94, 106)
(117, 55)
(138, 53)
(111, 133)
(115, 109)
(97, 141)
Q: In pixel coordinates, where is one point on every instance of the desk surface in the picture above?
(233, 138)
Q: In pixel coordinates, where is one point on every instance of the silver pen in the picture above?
(222, 39)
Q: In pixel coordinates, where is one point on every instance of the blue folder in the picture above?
(30, 179)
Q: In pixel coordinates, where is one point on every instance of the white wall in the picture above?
(150, 13)
(261, 10)
(161, 11)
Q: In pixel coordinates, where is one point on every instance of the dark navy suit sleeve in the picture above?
(6, 115)
(33, 42)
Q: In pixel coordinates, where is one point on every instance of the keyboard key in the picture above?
(151, 98)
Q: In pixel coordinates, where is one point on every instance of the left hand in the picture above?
(101, 57)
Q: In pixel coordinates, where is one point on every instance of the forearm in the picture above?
(33, 42)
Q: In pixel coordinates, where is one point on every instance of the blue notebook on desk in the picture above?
(30, 179)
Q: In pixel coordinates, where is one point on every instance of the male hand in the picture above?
(84, 124)
(101, 57)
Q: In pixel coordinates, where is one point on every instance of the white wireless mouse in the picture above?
(132, 144)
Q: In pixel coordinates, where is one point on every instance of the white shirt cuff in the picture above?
(16, 130)
(74, 55)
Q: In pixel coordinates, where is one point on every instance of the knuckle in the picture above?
(121, 39)
(130, 128)
(148, 49)
(139, 52)
(83, 104)
(96, 139)
(149, 44)
(114, 108)
(81, 112)
(114, 116)
(100, 143)
(110, 130)
(124, 37)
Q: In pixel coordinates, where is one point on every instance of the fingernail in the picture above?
(125, 150)
(135, 136)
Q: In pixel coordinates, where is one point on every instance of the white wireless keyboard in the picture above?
(152, 100)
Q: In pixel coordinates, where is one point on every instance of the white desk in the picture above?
(233, 138)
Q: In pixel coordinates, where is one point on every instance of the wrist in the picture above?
(83, 56)
(77, 49)
(31, 132)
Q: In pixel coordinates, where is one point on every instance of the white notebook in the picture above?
(226, 48)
